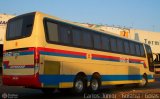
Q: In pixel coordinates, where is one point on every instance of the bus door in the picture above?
(150, 58)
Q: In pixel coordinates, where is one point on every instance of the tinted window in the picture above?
(65, 34)
(52, 31)
(105, 43)
(97, 41)
(148, 49)
(126, 47)
(138, 50)
(132, 48)
(19, 27)
(113, 44)
(87, 40)
(76, 33)
(120, 45)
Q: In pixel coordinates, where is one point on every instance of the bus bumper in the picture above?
(25, 80)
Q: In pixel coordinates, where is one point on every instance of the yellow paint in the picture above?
(119, 82)
(66, 85)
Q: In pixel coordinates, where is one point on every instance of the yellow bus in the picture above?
(42, 51)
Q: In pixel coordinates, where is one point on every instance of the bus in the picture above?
(156, 63)
(46, 52)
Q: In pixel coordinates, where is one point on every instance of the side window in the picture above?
(126, 47)
(132, 48)
(113, 44)
(105, 43)
(97, 41)
(65, 34)
(52, 31)
(120, 46)
(87, 40)
(76, 33)
(138, 50)
(142, 50)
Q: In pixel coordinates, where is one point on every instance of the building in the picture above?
(3, 23)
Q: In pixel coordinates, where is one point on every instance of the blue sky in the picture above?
(139, 14)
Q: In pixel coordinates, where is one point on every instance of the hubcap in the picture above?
(143, 81)
(79, 85)
(94, 84)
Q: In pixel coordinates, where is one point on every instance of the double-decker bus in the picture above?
(41, 51)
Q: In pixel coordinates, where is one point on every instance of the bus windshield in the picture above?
(20, 27)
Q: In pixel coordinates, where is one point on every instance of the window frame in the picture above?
(21, 17)
(92, 32)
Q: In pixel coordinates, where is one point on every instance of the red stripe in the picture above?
(104, 56)
(61, 51)
(136, 60)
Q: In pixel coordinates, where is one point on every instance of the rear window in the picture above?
(20, 27)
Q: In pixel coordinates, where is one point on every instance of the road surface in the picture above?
(152, 91)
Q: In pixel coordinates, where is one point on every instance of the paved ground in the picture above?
(152, 91)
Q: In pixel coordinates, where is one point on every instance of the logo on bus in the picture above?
(124, 60)
(11, 54)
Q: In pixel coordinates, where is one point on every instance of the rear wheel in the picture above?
(95, 84)
(80, 85)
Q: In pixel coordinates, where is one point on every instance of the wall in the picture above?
(3, 23)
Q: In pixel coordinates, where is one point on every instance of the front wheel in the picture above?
(95, 84)
(144, 81)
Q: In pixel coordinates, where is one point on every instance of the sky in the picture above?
(137, 14)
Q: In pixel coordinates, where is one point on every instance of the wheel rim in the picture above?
(79, 85)
(94, 85)
(143, 81)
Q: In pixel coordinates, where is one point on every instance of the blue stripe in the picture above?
(26, 53)
(135, 62)
(60, 54)
(107, 59)
(56, 79)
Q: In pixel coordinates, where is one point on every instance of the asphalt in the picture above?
(107, 92)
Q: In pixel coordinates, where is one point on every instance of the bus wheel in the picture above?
(80, 85)
(144, 81)
(95, 84)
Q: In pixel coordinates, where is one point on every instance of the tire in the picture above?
(80, 85)
(95, 84)
(144, 81)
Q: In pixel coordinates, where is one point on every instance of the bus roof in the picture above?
(79, 25)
